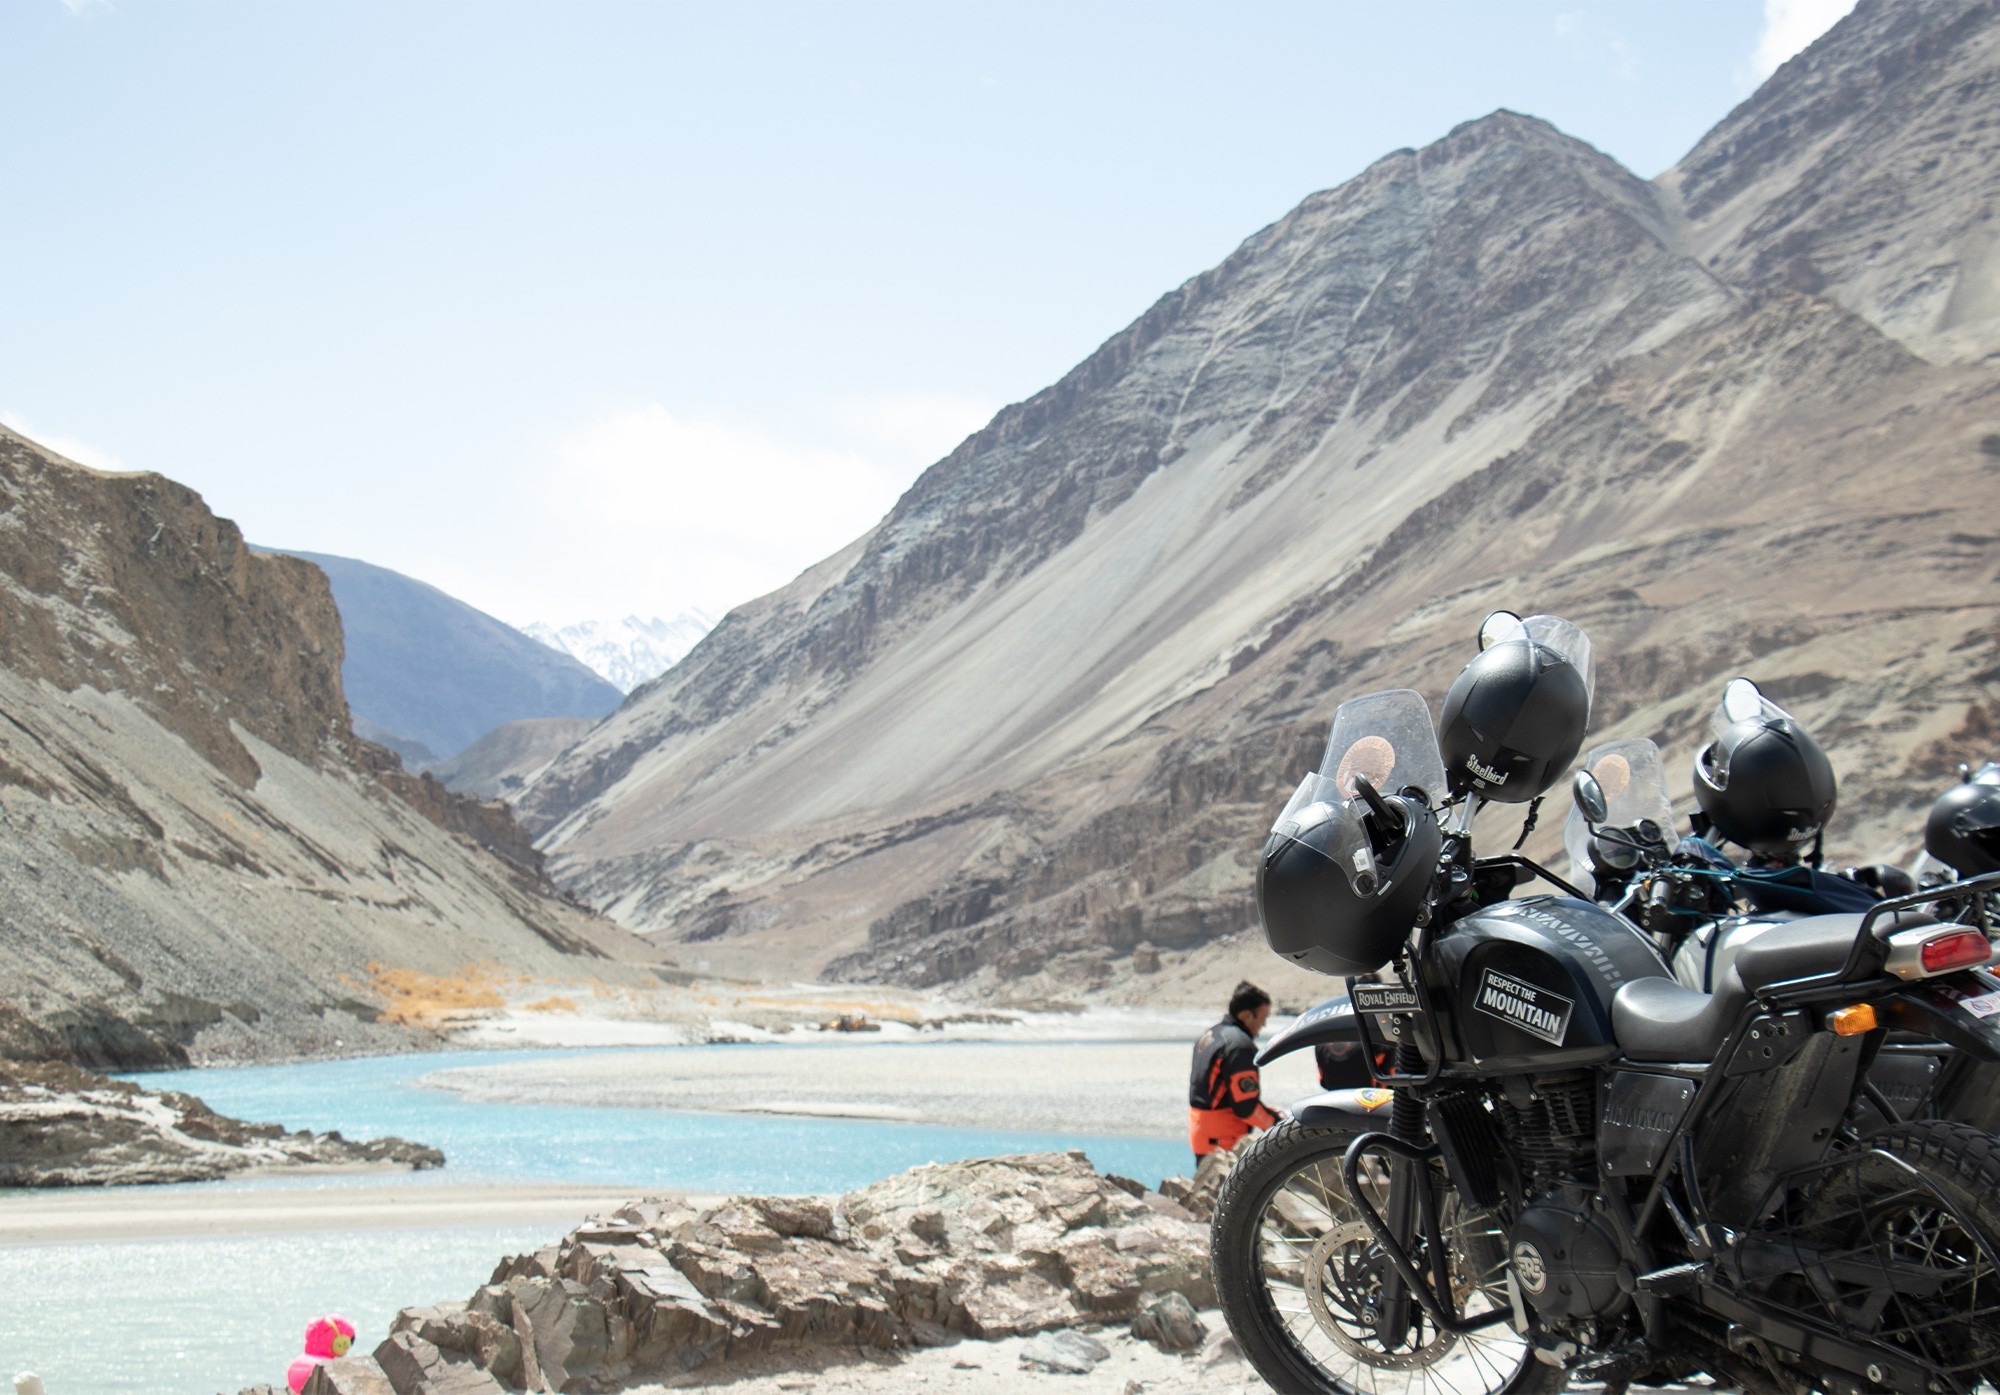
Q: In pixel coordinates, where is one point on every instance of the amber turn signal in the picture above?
(1852, 1021)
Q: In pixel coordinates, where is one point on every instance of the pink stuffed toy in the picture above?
(326, 1338)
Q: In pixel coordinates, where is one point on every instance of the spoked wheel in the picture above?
(1907, 1232)
(1301, 1282)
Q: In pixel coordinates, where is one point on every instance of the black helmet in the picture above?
(1516, 715)
(1963, 831)
(1337, 889)
(1343, 878)
(1764, 783)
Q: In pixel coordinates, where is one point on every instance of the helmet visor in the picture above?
(1554, 632)
(1319, 818)
(1743, 701)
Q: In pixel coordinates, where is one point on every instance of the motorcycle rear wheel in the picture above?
(1923, 1196)
(1293, 1266)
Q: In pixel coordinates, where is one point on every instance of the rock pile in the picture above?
(63, 1126)
(985, 1249)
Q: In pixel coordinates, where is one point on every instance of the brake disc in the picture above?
(1337, 1247)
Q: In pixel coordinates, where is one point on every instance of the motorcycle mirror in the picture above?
(1589, 797)
(1741, 700)
(1501, 625)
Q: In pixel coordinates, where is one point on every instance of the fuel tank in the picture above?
(1531, 981)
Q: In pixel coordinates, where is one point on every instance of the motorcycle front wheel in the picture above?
(1298, 1274)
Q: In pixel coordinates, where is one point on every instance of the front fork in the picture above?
(1407, 1178)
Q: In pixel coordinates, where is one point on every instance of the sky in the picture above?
(582, 309)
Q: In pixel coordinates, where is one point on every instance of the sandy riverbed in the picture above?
(158, 1213)
(1087, 1087)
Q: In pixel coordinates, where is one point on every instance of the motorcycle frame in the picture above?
(1856, 980)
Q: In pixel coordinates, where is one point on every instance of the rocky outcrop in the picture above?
(500, 764)
(979, 1250)
(61, 1126)
(1041, 714)
(198, 860)
(487, 824)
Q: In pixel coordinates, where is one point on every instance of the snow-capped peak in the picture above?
(626, 652)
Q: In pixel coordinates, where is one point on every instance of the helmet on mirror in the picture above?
(1763, 781)
(1515, 716)
(1339, 885)
(1963, 830)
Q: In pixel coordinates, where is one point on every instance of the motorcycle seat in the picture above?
(1656, 1019)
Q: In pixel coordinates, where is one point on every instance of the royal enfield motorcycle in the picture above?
(1573, 1167)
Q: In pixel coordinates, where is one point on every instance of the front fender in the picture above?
(1330, 1021)
(1365, 1108)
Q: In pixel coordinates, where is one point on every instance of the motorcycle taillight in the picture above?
(1961, 949)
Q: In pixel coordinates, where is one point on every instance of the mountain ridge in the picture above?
(1039, 711)
(425, 666)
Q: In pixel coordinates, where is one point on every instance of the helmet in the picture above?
(1764, 783)
(1516, 715)
(1963, 831)
(1337, 889)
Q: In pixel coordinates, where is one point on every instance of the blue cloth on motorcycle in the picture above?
(1802, 889)
(1805, 890)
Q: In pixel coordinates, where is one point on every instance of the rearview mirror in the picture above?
(1589, 797)
(1500, 626)
(1741, 700)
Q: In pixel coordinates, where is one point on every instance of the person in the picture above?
(1224, 1104)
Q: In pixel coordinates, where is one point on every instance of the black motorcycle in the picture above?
(1572, 1166)
(1690, 898)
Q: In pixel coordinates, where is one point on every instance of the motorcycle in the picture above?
(1685, 894)
(1575, 1167)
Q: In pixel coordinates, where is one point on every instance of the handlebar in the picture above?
(1391, 816)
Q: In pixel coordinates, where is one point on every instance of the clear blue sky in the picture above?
(578, 309)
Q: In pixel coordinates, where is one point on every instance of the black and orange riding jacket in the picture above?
(1223, 1100)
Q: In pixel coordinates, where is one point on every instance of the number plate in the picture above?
(1385, 999)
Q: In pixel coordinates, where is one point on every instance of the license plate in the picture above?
(1384, 999)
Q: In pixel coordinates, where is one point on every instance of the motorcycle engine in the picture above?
(1565, 1262)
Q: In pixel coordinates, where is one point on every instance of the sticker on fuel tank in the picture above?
(1534, 1010)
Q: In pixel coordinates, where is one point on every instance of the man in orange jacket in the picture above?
(1223, 1100)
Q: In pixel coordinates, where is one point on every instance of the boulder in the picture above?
(417, 1367)
(1025, 1246)
(348, 1375)
(1170, 1323)
(1069, 1352)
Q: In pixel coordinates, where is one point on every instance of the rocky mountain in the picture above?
(428, 675)
(628, 652)
(1745, 418)
(197, 855)
(500, 764)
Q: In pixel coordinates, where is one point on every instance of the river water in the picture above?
(198, 1316)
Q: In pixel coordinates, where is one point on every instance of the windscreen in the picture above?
(1388, 737)
(1634, 780)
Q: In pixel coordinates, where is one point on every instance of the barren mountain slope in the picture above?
(1106, 547)
(1042, 712)
(1729, 504)
(499, 764)
(191, 853)
(1868, 171)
